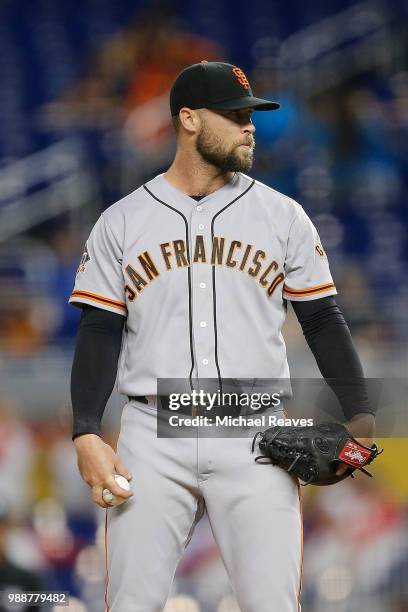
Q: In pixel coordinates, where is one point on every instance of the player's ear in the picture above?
(189, 120)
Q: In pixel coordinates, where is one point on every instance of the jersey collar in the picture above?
(164, 190)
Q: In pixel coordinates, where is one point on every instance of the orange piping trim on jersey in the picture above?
(106, 561)
(301, 546)
(309, 290)
(99, 298)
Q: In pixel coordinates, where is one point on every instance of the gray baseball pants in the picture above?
(254, 512)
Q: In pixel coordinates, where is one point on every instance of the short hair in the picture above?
(176, 123)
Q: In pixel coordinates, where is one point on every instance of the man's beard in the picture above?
(212, 150)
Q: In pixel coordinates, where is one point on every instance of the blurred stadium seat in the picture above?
(83, 93)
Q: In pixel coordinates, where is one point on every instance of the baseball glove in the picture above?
(313, 453)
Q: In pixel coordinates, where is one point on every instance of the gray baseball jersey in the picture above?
(203, 284)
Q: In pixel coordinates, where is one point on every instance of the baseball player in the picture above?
(188, 277)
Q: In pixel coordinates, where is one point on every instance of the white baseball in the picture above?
(114, 500)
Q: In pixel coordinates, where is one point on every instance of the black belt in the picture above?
(138, 398)
(162, 403)
(189, 410)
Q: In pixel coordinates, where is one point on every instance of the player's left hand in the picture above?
(361, 427)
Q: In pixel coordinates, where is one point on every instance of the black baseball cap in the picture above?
(215, 85)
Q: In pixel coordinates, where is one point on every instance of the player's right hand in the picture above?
(98, 463)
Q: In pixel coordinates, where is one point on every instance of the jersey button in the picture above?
(202, 285)
(201, 226)
(199, 208)
(205, 361)
(203, 324)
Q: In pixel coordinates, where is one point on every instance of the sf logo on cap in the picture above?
(241, 77)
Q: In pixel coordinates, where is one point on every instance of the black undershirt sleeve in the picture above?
(94, 367)
(330, 341)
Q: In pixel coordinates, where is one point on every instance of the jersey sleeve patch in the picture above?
(86, 296)
(84, 259)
